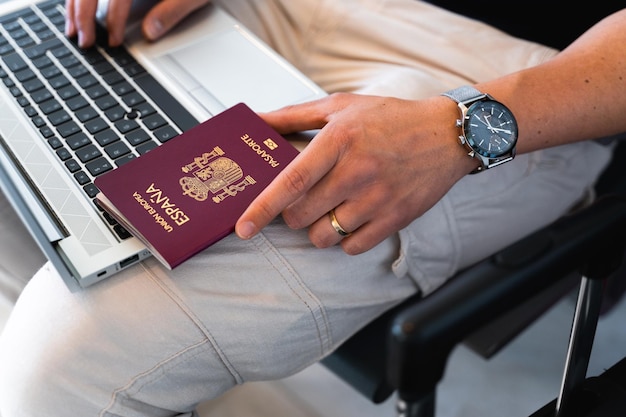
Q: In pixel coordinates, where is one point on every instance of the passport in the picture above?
(183, 196)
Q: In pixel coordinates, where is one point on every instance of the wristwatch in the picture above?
(488, 127)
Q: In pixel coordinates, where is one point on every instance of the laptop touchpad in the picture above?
(231, 67)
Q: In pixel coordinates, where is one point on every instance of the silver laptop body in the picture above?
(59, 129)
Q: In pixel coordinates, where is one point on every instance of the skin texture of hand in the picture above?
(160, 19)
(378, 172)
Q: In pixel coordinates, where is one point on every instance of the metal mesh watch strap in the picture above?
(464, 94)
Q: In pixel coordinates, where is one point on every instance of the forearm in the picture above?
(578, 95)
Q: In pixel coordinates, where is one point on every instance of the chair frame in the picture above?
(420, 334)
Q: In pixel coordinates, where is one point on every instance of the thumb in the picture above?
(167, 14)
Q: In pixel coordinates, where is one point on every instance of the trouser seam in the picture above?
(323, 328)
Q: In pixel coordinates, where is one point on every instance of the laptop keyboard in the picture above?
(96, 108)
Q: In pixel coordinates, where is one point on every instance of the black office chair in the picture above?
(420, 334)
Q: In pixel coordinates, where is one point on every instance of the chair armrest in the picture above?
(423, 335)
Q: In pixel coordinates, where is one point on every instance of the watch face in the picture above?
(490, 128)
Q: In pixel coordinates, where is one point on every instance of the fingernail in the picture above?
(154, 29)
(81, 39)
(246, 230)
(69, 28)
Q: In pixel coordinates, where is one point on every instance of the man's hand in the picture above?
(378, 162)
(162, 17)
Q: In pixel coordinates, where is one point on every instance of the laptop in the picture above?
(68, 115)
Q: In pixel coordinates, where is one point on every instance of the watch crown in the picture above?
(471, 154)
(459, 123)
(462, 140)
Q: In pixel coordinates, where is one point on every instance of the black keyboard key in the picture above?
(137, 137)
(121, 232)
(25, 75)
(39, 50)
(132, 99)
(134, 70)
(78, 71)
(35, 24)
(61, 51)
(63, 154)
(12, 18)
(17, 32)
(106, 102)
(45, 34)
(32, 85)
(91, 190)
(38, 121)
(112, 78)
(125, 159)
(13, 89)
(6, 49)
(109, 219)
(88, 153)
(30, 111)
(69, 61)
(23, 101)
(98, 166)
(174, 110)
(9, 83)
(41, 95)
(25, 42)
(125, 125)
(31, 18)
(43, 62)
(82, 178)
(86, 113)
(54, 142)
(116, 149)
(103, 67)
(115, 113)
(145, 109)
(106, 137)
(96, 91)
(123, 88)
(96, 125)
(154, 121)
(59, 117)
(68, 129)
(68, 92)
(146, 147)
(72, 165)
(77, 140)
(87, 81)
(49, 106)
(59, 82)
(165, 133)
(76, 103)
(92, 55)
(46, 131)
(14, 62)
(50, 72)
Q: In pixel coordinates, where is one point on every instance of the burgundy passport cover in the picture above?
(187, 194)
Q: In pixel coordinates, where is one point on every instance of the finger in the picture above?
(300, 117)
(116, 19)
(167, 14)
(330, 230)
(70, 27)
(81, 21)
(353, 236)
(288, 186)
